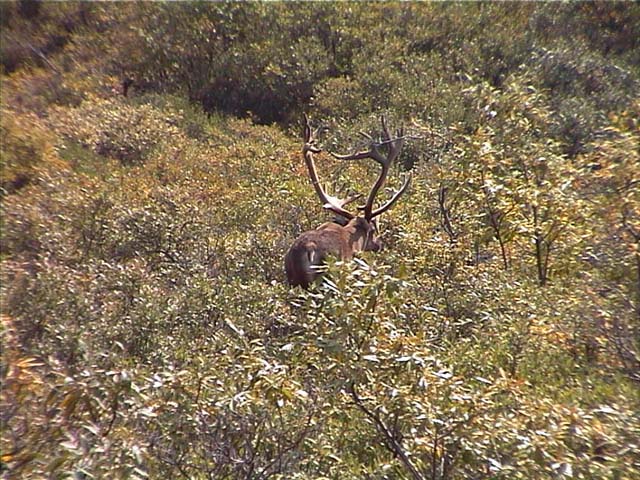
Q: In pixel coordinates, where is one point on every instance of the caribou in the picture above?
(308, 253)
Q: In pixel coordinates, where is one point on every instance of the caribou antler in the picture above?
(328, 201)
(394, 146)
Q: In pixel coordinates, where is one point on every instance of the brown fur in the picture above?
(312, 248)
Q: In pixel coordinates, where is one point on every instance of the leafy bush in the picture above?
(147, 330)
(26, 147)
(128, 133)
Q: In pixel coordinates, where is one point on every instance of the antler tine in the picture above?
(329, 202)
(309, 137)
(367, 136)
(385, 130)
(394, 147)
(351, 199)
(307, 129)
(373, 152)
(318, 130)
(394, 198)
(359, 156)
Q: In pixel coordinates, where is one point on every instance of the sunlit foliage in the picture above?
(152, 181)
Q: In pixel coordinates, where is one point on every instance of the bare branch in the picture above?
(390, 439)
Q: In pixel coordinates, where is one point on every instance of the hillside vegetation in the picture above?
(152, 181)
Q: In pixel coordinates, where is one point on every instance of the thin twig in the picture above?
(390, 440)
